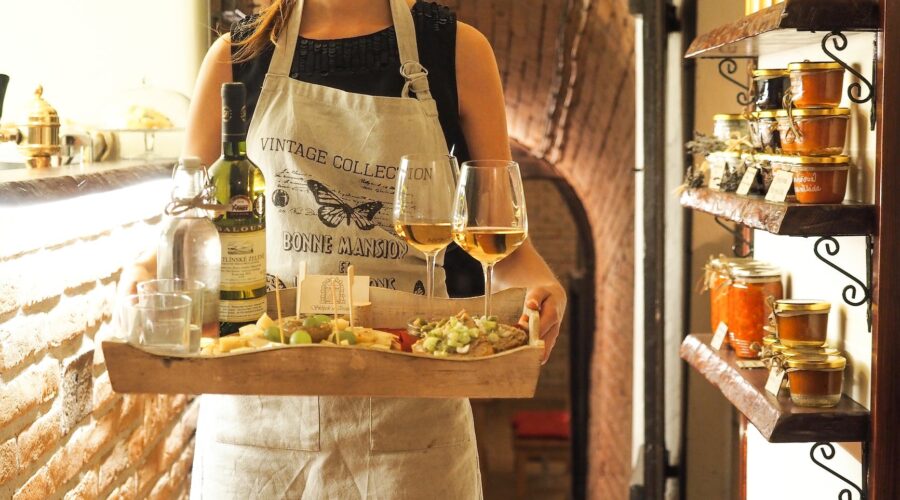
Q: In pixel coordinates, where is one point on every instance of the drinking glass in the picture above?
(204, 321)
(489, 219)
(158, 320)
(423, 204)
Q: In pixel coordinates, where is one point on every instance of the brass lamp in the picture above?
(38, 138)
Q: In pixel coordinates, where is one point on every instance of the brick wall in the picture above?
(63, 431)
(568, 71)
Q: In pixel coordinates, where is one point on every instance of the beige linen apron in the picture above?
(330, 159)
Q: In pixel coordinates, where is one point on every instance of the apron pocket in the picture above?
(281, 422)
(405, 424)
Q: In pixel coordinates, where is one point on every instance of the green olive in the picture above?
(316, 320)
(348, 336)
(300, 337)
(273, 334)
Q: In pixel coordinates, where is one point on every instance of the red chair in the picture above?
(540, 436)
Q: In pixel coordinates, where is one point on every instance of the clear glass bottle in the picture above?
(189, 247)
(239, 184)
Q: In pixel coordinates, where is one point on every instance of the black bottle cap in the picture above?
(234, 111)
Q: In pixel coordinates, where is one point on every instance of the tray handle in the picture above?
(534, 327)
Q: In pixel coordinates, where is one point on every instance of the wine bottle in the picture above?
(239, 185)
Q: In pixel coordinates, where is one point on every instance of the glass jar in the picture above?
(802, 323)
(718, 279)
(815, 380)
(813, 132)
(751, 289)
(770, 86)
(816, 84)
(764, 134)
(820, 179)
(730, 126)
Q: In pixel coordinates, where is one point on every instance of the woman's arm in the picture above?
(483, 119)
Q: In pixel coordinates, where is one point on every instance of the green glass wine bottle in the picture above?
(239, 185)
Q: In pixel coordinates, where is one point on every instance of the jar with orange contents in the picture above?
(748, 309)
(718, 279)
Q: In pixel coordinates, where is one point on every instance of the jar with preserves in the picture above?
(802, 323)
(820, 179)
(815, 380)
(813, 132)
(764, 134)
(816, 84)
(718, 279)
(730, 126)
(770, 86)
(751, 290)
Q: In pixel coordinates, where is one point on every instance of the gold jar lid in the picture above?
(812, 65)
(769, 340)
(810, 353)
(728, 117)
(801, 305)
(813, 160)
(770, 72)
(814, 112)
(40, 112)
(771, 113)
(822, 363)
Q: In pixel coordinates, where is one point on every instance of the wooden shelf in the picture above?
(790, 219)
(793, 23)
(779, 420)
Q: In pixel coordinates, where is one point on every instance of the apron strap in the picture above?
(414, 74)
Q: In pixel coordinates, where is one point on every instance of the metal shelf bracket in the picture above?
(727, 68)
(856, 293)
(827, 450)
(854, 91)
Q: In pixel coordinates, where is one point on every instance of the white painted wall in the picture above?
(86, 52)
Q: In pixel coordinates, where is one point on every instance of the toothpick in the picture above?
(334, 309)
(278, 307)
(351, 276)
(301, 275)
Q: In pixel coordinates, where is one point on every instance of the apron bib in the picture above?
(330, 159)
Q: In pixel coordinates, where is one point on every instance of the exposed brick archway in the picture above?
(568, 72)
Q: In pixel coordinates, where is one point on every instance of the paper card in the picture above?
(750, 363)
(719, 336)
(716, 172)
(781, 184)
(319, 294)
(747, 181)
(776, 376)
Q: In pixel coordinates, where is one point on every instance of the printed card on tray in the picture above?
(719, 336)
(319, 293)
(781, 184)
(776, 377)
(716, 172)
(747, 181)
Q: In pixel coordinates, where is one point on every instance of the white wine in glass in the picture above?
(423, 205)
(489, 217)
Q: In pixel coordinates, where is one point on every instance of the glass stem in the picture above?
(429, 275)
(488, 277)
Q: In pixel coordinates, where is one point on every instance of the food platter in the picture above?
(317, 369)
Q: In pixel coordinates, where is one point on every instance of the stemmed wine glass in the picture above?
(489, 219)
(423, 203)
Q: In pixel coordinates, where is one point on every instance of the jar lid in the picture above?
(770, 72)
(771, 113)
(807, 65)
(724, 154)
(814, 112)
(810, 353)
(797, 305)
(722, 261)
(820, 362)
(813, 160)
(728, 116)
(769, 340)
(756, 271)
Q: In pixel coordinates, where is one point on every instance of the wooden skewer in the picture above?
(301, 275)
(334, 310)
(278, 310)
(351, 276)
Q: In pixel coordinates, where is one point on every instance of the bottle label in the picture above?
(243, 260)
(241, 311)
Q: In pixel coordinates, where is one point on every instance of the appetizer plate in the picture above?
(328, 370)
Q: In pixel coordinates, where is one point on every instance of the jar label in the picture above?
(776, 377)
(716, 172)
(719, 337)
(781, 184)
(747, 181)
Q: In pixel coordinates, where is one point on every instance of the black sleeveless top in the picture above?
(370, 64)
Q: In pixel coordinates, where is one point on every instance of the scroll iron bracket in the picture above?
(854, 91)
(739, 240)
(727, 68)
(828, 451)
(856, 287)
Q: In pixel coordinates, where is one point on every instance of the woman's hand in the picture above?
(550, 301)
(142, 270)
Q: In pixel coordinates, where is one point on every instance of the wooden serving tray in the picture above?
(325, 370)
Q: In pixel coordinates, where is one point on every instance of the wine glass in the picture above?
(423, 204)
(489, 219)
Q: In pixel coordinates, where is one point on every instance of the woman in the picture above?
(332, 82)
